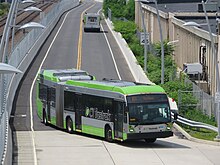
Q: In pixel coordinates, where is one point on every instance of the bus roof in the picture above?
(92, 14)
(62, 75)
(123, 87)
(80, 78)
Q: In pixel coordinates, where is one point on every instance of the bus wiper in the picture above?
(137, 123)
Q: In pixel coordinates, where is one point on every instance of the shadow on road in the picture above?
(96, 31)
(158, 144)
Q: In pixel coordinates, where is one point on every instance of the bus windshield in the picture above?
(150, 111)
(92, 19)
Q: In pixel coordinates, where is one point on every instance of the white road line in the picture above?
(32, 87)
(113, 58)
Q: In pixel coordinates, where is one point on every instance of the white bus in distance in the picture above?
(91, 22)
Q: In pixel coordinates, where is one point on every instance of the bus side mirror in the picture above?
(175, 116)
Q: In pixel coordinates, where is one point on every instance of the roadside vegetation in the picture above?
(123, 20)
(4, 8)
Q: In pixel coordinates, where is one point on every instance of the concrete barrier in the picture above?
(135, 68)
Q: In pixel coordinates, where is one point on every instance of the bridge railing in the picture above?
(21, 57)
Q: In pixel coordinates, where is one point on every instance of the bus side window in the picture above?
(53, 96)
(126, 115)
(108, 105)
(68, 101)
(42, 92)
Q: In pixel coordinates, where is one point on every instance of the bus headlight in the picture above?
(131, 129)
(169, 126)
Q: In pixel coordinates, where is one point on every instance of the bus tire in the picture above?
(108, 134)
(150, 140)
(69, 125)
(44, 117)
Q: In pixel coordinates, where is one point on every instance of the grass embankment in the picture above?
(4, 7)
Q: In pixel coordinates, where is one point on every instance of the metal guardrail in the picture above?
(195, 124)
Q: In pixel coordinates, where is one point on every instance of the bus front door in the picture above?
(48, 104)
(118, 120)
(79, 112)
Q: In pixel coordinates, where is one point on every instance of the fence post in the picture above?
(179, 100)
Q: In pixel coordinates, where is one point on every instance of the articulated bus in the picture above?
(113, 109)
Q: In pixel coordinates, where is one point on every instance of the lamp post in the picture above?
(27, 25)
(172, 42)
(6, 28)
(161, 39)
(10, 22)
(5, 69)
(145, 39)
(161, 43)
(217, 93)
(28, 9)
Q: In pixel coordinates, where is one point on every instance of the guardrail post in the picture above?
(179, 100)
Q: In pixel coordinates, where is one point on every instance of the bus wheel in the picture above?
(69, 125)
(150, 140)
(108, 134)
(44, 118)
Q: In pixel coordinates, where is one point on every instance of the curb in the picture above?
(131, 60)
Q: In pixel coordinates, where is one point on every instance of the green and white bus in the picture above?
(113, 109)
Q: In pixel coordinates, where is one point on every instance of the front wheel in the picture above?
(150, 140)
(108, 134)
(69, 125)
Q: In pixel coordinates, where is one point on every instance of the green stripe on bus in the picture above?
(125, 136)
(53, 120)
(48, 75)
(93, 130)
(39, 108)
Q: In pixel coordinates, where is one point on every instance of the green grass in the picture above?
(200, 133)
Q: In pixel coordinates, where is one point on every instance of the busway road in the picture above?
(35, 143)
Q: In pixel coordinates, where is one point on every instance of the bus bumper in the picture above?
(150, 135)
(87, 29)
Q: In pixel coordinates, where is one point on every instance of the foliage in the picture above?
(171, 86)
(4, 8)
(168, 48)
(127, 29)
(154, 68)
(130, 10)
(200, 133)
(197, 115)
(120, 9)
